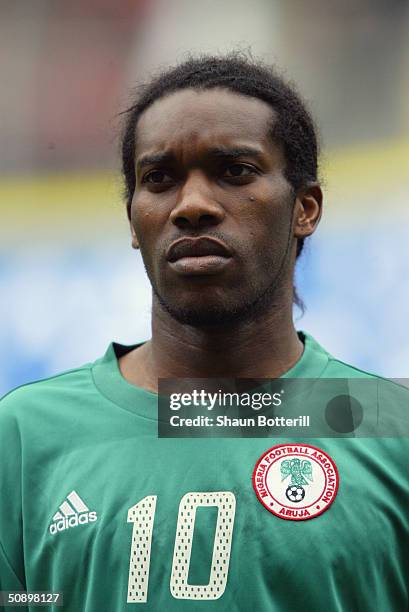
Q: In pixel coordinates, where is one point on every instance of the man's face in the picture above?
(206, 167)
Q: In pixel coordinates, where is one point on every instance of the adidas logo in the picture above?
(71, 513)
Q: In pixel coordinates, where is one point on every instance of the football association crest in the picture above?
(295, 482)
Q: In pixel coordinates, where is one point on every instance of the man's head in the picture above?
(220, 148)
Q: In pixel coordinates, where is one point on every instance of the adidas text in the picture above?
(73, 521)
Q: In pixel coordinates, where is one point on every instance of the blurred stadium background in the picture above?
(70, 282)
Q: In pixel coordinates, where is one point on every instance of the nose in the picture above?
(196, 206)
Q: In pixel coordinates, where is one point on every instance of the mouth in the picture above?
(198, 266)
(198, 256)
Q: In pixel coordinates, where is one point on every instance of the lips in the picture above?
(196, 247)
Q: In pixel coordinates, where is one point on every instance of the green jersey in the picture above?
(95, 505)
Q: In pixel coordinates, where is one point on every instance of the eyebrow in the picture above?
(164, 158)
(154, 159)
(234, 152)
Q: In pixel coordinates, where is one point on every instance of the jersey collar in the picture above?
(110, 382)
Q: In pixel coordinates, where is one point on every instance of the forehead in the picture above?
(193, 118)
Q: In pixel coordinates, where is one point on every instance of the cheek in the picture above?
(146, 217)
(268, 213)
(269, 233)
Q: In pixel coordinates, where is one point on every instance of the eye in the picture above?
(157, 177)
(239, 171)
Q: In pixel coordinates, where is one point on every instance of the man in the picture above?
(220, 167)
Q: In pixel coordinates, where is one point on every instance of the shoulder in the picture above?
(386, 387)
(50, 390)
(338, 368)
(385, 402)
(382, 403)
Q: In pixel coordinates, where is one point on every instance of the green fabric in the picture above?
(88, 430)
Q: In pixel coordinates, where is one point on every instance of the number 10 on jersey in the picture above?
(142, 516)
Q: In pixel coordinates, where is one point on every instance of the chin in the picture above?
(209, 315)
(224, 310)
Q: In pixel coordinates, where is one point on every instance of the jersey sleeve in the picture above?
(12, 576)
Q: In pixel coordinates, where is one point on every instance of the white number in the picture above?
(226, 505)
(142, 516)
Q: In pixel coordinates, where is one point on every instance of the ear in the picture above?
(135, 243)
(307, 210)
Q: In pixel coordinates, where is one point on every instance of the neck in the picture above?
(265, 347)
